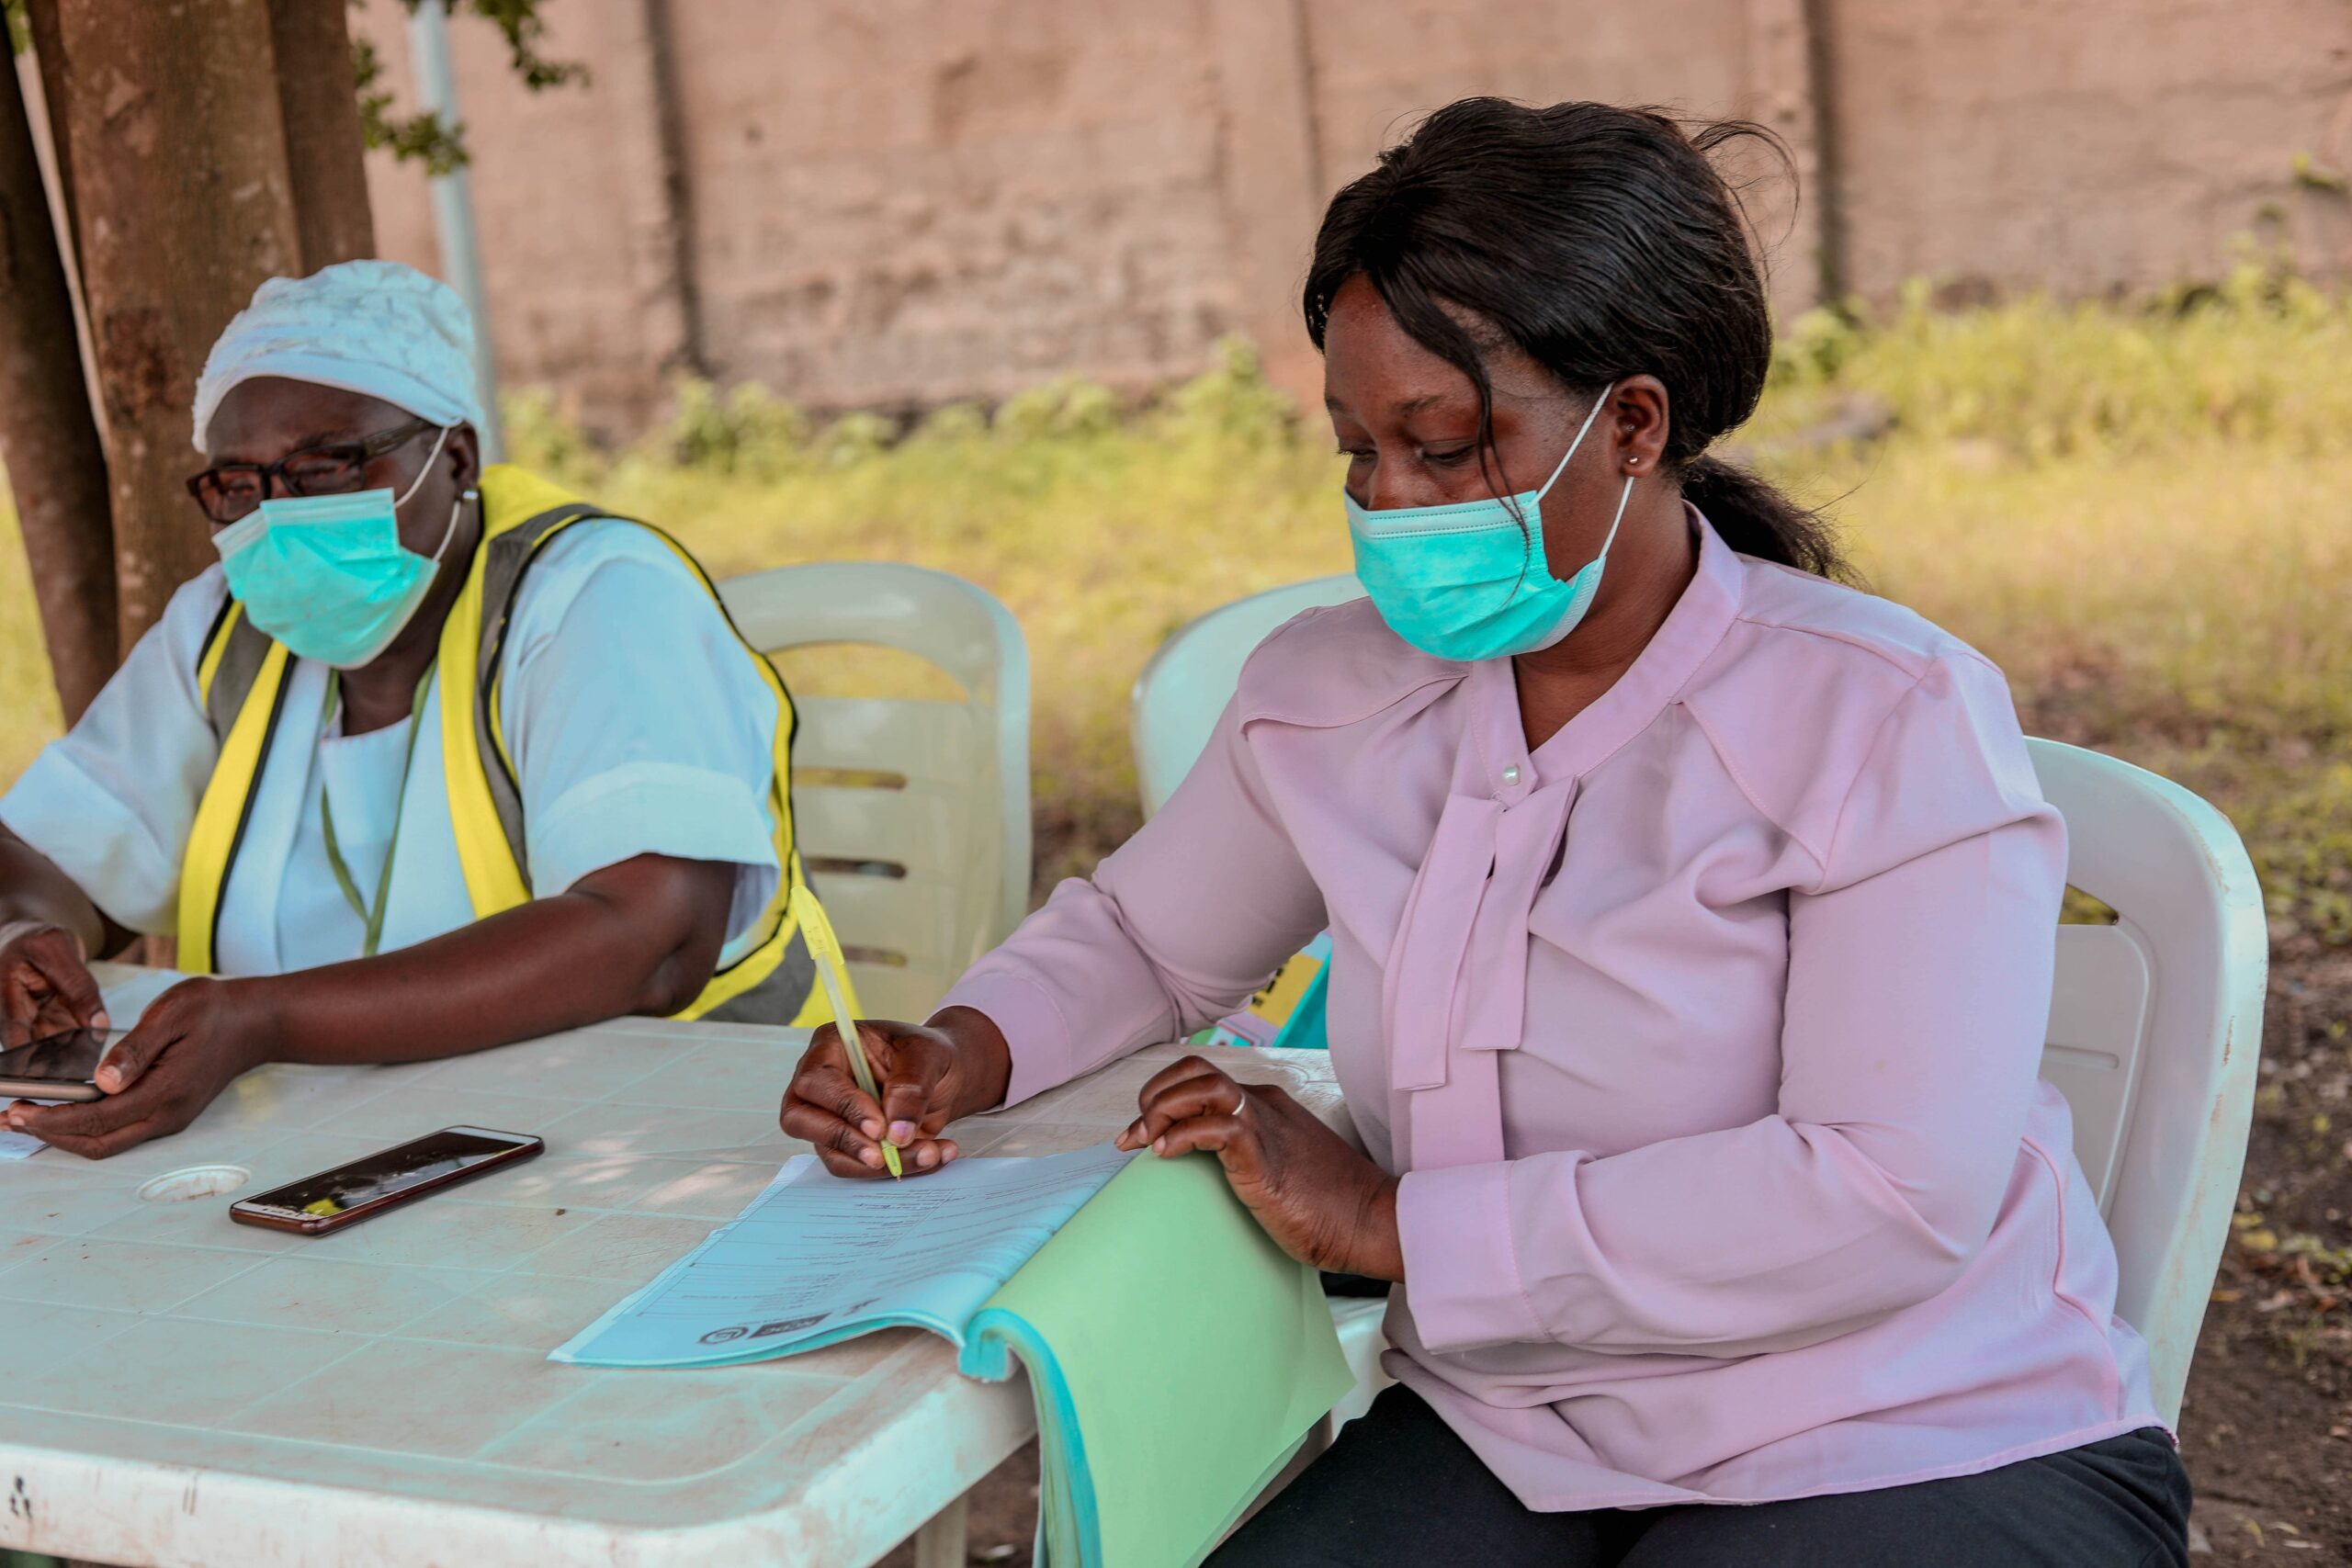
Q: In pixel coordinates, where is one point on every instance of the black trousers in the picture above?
(1399, 1488)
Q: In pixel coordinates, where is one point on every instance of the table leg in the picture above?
(941, 1544)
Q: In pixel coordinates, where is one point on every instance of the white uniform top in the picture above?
(635, 721)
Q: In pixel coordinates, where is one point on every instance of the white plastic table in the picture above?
(183, 1390)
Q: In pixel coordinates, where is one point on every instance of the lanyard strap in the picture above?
(371, 915)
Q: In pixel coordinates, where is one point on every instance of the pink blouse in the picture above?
(1704, 1036)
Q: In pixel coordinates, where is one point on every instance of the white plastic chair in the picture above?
(1188, 682)
(2154, 1026)
(913, 816)
(2155, 1030)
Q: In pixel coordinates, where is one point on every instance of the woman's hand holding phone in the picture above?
(929, 1073)
(194, 1040)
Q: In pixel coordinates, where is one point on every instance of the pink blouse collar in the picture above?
(1693, 629)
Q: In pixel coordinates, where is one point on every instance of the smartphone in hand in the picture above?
(57, 1066)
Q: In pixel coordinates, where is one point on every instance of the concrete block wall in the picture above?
(2084, 145)
(896, 203)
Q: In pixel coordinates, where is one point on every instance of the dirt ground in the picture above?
(2268, 1427)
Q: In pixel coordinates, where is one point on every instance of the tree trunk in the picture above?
(48, 52)
(183, 206)
(324, 151)
(57, 471)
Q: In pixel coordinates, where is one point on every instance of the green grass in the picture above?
(2143, 511)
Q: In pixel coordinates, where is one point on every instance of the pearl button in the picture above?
(1511, 776)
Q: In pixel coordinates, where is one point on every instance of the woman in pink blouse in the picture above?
(1691, 936)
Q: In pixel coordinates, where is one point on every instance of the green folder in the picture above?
(1179, 1359)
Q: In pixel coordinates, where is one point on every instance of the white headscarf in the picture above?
(380, 328)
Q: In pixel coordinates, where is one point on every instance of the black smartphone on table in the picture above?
(367, 1187)
(57, 1066)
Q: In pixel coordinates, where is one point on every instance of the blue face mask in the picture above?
(327, 575)
(1470, 580)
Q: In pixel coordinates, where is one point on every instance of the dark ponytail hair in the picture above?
(1603, 243)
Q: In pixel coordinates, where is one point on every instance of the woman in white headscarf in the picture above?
(436, 759)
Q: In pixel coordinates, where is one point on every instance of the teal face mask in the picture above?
(1470, 582)
(327, 575)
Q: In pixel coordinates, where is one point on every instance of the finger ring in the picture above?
(1241, 1100)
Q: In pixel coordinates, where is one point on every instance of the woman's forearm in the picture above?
(639, 938)
(33, 889)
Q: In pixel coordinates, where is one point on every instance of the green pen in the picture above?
(832, 973)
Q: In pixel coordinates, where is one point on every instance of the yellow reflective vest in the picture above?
(243, 676)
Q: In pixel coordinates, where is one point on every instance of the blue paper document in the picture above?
(818, 1257)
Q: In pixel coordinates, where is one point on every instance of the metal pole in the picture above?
(453, 209)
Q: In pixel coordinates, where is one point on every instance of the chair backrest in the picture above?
(1187, 683)
(2155, 1025)
(2154, 1030)
(913, 815)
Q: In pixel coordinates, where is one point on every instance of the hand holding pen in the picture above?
(872, 1095)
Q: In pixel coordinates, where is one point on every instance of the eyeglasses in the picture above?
(228, 491)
